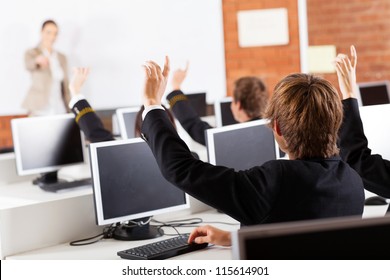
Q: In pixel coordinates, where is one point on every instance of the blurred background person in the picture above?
(49, 93)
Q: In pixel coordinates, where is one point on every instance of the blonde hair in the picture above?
(309, 113)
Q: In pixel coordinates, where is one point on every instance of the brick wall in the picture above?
(364, 23)
(5, 130)
(269, 63)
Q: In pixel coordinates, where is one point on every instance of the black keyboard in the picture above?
(55, 187)
(162, 249)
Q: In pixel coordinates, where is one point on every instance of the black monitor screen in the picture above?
(241, 146)
(226, 114)
(126, 119)
(44, 144)
(374, 94)
(128, 183)
(198, 102)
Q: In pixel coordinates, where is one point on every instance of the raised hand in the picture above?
(209, 234)
(178, 77)
(80, 75)
(346, 73)
(155, 82)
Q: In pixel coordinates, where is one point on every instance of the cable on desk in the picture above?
(107, 233)
(177, 223)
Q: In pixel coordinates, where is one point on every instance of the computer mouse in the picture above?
(375, 200)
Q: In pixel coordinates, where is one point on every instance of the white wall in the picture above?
(114, 38)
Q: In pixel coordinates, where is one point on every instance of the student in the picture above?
(89, 123)
(249, 101)
(86, 118)
(374, 170)
(305, 114)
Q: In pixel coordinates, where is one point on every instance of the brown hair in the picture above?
(252, 95)
(309, 113)
(138, 120)
(49, 21)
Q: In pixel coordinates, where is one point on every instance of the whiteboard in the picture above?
(114, 38)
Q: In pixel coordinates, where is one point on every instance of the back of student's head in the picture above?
(309, 113)
(252, 94)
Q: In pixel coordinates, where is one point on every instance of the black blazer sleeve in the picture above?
(89, 123)
(374, 170)
(244, 195)
(187, 116)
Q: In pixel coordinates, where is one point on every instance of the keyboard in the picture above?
(162, 249)
(55, 187)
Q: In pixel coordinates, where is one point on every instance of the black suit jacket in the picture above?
(277, 191)
(187, 116)
(374, 170)
(89, 123)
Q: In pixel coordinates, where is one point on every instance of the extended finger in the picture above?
(167, 67)
(353, 55)
(187, 65)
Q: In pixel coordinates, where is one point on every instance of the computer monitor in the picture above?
(46, 144)
(374, 93)
(128, 185)
(126, 120)
(223, 113)
(376, 124)
(326, 239)
(241, 146)
(198, 102)
(105, 115)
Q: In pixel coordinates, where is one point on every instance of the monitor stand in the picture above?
(131, 231)
(47, 178)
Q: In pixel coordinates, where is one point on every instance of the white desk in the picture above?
(106, 249)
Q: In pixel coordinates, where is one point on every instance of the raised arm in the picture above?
(374, 170)
(90, 124)
(183, 110)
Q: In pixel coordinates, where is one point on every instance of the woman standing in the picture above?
(48, 93)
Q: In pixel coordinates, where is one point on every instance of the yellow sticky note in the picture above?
(321, 59)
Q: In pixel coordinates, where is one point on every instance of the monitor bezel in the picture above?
(18, 156)
(372, 84)
(217, 109)
(97, 193)
(121, 120)
(212, 131)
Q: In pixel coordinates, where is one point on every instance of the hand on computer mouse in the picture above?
(209, 234)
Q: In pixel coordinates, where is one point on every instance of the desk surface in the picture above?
(106, 249)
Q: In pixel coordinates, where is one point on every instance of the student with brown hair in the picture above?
(305, 113)
(249, 101)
